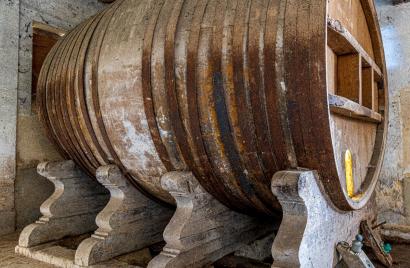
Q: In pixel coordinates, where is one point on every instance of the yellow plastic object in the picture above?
(349, 174)
(357, 197)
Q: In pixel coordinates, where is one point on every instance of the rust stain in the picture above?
(232, 90)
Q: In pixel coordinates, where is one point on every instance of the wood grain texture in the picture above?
(351, 15)
(343, 42)
(233, 91)
(44, 38)
(368, 90)
(349, 79)
(347, 39)
(346, 107)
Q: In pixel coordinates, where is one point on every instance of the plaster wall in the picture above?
(9, 38)
(32, 145)
(393, 191)
(23, 143)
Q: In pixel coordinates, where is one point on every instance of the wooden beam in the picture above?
(349, 84)
(346, 107)
(342, 42)
(368, 88)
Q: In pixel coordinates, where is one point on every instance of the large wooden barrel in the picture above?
(232, 90)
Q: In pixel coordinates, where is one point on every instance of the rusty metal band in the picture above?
(249, 98)
(82, 112)
(245, 130)
(170, 88)
(304, 24)
(53, 82)
(48, 112)
(103, 25)
(70, 99)
(241, 185)
(211, 179)
(63, 101)
(41, 102)
(146, 87)
(175, 114)
(381, 133)
(61, 104)
(95, 48)
(274, 92)
(257, 85)
(191, 87)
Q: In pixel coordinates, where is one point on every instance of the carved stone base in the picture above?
(311, 226)
(70, 210)
(126, 219)
(129, 222)
(202, 229)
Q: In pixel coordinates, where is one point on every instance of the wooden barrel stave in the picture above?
(70, 113)
(124, 120)
(84, 121)
(91, 83)
(41, 101)
(232, 90)
(52, 86)
(61, 102)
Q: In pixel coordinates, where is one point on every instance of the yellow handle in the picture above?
(349, 174)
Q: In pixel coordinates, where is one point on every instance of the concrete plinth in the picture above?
(312, 226)
(70, 210)
(202, 229)
(127, 220)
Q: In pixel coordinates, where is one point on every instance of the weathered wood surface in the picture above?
(129, 222)
(372, 239)
(70, 210)
(202, 229)
(369, 89)
(349, 79)
(160, 86)
(353, 32)
(342, 42)
(312, 226)
(44, 38)
(346, 107)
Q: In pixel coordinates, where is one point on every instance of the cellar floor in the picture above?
(400, 252)
(11, 260)
(401, 256)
